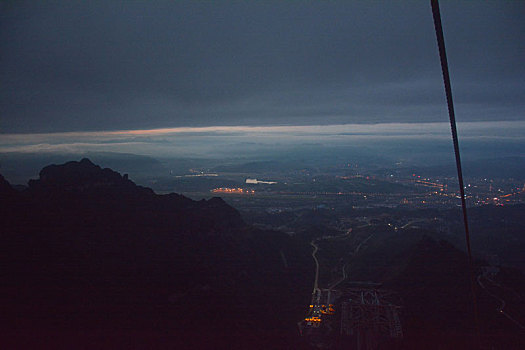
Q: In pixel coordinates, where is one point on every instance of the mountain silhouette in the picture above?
(86, 248)
(434, 283)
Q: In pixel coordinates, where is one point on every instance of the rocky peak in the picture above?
(6, 190)
(79, 176)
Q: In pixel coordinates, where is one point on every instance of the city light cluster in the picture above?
(232, 190)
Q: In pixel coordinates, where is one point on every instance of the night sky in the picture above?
(111, 65)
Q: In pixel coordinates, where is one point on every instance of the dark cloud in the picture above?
(125, 65)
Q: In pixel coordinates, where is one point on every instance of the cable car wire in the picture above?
(448, 91)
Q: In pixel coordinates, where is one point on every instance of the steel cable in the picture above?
(448, 91)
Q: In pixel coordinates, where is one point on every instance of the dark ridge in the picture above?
(79, 176)
(434, 285)
(84, 248)
(5, 188)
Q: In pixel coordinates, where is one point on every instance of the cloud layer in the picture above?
(500, 138)
(98, 65)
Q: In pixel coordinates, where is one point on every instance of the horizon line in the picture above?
(271, 127)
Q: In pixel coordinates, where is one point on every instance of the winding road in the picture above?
(501, 301)
(316, 249)
(314, 255)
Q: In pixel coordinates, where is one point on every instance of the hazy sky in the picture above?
(492, 139)
(112, 65)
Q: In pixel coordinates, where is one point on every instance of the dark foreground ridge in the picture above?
(89, 259)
